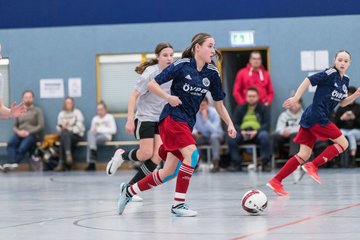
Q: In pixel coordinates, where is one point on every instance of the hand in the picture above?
(130, 127)
(17, 110)
(94, 129)
(174, 101)
(231, 131)
(244, 133)
(204, 114)
(285, 133)
(22, 133)
(288, 103)
(357, 92)
(252, 134)
(196, 134)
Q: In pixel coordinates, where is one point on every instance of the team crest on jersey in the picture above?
(206, 82)
(345, 88)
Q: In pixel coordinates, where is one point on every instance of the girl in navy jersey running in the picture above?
(144, 124)
(331, 89)
(193, 75)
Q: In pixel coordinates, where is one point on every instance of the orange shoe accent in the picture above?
(312, 170)
(277, 187)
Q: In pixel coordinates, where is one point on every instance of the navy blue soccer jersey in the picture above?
(331, 89)
(190, 86)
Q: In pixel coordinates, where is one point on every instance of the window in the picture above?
(4, 71)
(116, 79)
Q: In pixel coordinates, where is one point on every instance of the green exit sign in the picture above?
(242, 38)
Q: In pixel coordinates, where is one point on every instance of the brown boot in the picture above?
(216, 167)
(69, 158)
(59, 167)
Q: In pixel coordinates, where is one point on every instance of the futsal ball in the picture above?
(254, 202)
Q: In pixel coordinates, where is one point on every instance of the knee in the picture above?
(263, 136)
(345, 145)
(145, 154)
(304, 155)
(194, 158)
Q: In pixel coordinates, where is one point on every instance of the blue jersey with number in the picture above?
(331, 89)
(190, 86)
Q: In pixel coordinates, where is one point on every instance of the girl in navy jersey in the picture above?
(144, 123)
(193, 75)
(331, 90)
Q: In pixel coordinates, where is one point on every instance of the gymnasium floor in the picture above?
(82, 206)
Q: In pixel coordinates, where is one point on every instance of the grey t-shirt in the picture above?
(149, 106)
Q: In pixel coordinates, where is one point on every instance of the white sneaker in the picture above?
(183, 210)
(137, 198)
(115, 162)
(10, 166)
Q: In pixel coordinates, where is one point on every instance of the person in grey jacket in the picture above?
(71, 127)
(27, 129)
(287, 127)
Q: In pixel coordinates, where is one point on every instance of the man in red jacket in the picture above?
(253, 75)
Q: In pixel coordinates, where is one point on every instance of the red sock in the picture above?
(289, 167)
(151, 180)
(182, 183)
(328, 154)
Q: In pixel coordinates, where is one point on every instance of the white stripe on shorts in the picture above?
(137, 130)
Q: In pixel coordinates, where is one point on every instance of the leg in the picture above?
(152, 180)
(289, 167)
(215, 141)
(235, 157)
(27, 144)
(91, 139)
(149, 165)
(265, 148)
(12, 146)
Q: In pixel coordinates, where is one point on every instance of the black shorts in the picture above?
(145, 129)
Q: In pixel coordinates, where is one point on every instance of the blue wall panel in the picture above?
(64, 52)
(45, 13)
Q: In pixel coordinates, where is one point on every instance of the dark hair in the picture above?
(255, 52)
(252, 89)
(141, 68)
(199, 38)
(342, 50)
(72, 100)
(351, 89)
(28, 91)
(102, 103)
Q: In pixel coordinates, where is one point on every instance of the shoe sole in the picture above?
(318, 181)
(278, 193)
(180, 215)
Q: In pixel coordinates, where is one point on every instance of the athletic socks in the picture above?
(288, 168)
(328, 154)
(151, 180)
(182, 183)
(130, 155)
(146, 168)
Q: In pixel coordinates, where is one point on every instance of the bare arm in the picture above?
(155, 88)
(299, 92)
(130, 125)
(350, 99)
(220, 108)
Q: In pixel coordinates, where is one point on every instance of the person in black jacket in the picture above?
(348, 120)
(252, 121)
